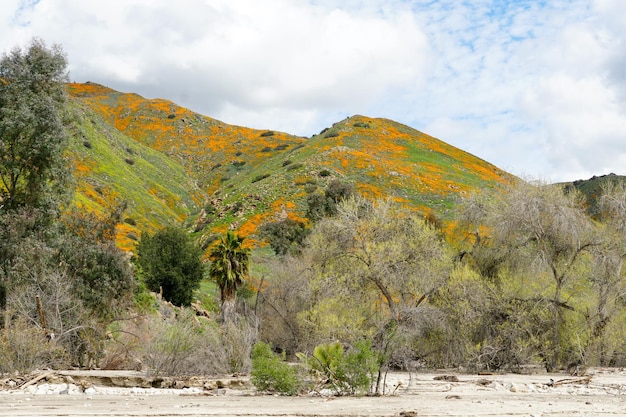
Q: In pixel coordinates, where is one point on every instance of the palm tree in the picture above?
(229, 268)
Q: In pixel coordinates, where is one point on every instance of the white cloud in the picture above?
(538, 88)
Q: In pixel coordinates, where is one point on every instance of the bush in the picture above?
(271, 373)
(351, 373)
(267, 133)
(285, 236)
(259, 177)
(176, 346)
(25, 348)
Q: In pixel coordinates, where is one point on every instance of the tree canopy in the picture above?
(230, 264)
(32, 131)
(170, 262)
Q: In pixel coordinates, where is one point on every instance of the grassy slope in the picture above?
(251, 176)
(592, 189)
(111, 168)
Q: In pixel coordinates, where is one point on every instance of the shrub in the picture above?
(129, 161)
(350, 373)
(259, 177)
(267, 149)
(362, 125)
(178, 345)
(285, 236)
(294, 166)
(267, 133)
(271, 373)
(25, 348)
(87, 144)
(286, 162)
(331, 134)
(325, 173)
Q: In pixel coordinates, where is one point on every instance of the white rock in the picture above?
(90, 391)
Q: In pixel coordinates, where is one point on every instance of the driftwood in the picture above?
(585, 380)
(37, 379)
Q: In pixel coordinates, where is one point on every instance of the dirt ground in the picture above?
(602, 392)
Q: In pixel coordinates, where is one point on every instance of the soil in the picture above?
(600, 392)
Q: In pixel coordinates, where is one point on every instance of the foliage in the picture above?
(543, 238)
(324, 204)
(270, 372)
(230, 263)
(285, 236)
(25, 348)
(33, 171)
(170, 262)
(347, 373)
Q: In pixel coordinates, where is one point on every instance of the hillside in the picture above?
(172, 164)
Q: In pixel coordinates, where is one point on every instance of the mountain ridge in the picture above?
(235, 177)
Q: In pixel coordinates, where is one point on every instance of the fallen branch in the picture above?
(37, 379)
(586, 380)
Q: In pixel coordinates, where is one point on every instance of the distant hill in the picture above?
(592, 189)
(171, 164)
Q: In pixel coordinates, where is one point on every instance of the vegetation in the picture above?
(229, 268)
(32, 132)
(388, 249)
(271, 373)
(170, 264)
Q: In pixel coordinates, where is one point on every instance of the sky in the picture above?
(536, 87)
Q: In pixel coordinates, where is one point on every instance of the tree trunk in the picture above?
(228, 310)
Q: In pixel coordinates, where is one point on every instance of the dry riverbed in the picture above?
(601, 392)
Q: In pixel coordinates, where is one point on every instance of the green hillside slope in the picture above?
(234, 177)
(112, 169)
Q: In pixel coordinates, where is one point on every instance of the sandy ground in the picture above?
(603, 394)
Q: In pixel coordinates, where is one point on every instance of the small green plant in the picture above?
(348, 373)
(271, 373)
(259, 177)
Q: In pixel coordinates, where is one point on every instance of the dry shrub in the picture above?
(237, 338)
(25, 348)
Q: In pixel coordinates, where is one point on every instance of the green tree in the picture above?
(230, 263)
(539, 239)
(170, 262)
(33, 171)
